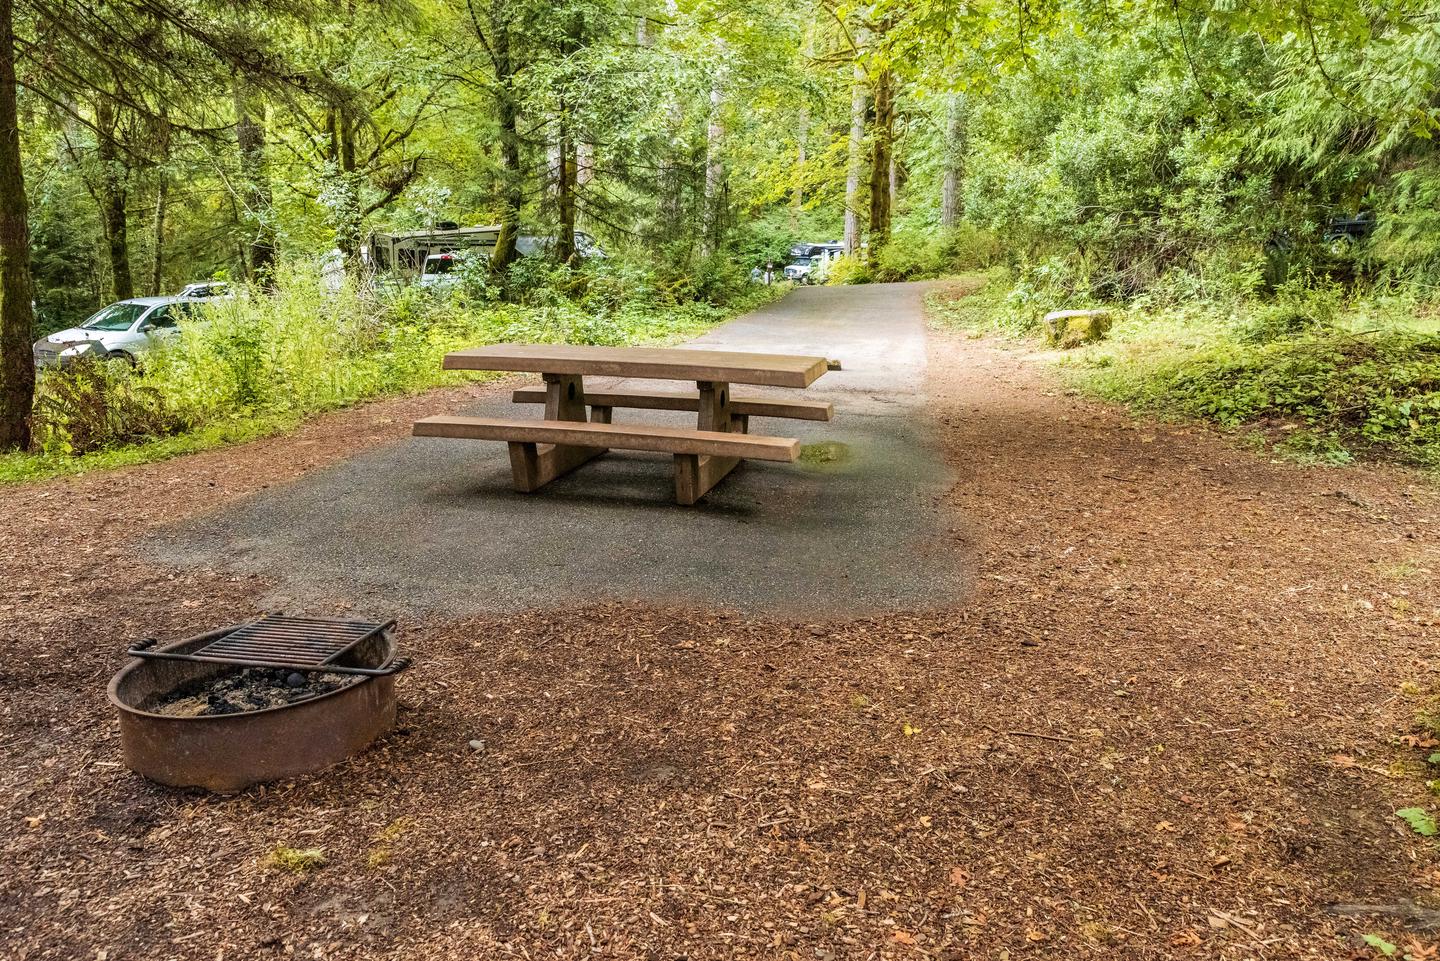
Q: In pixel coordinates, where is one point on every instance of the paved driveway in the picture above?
(431, 524)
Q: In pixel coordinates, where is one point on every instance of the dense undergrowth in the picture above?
(260, 363)
(1310, 373)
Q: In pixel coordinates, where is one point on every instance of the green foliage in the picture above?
(1419, 820)
(1182, 162)
(260, 362)
(1297, 308)
(1379, 944)
(909, 256)
(967, 247)
(95, 404)
(1326, 392)
(974, 304)
(1327, 380)
(849, 270)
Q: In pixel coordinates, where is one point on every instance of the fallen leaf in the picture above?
(959, 877)
(910, 731)
(904, 937)
(1415, 951)
(1385, 948)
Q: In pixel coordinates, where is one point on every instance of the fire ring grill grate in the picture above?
(229, 752)
(295, 643)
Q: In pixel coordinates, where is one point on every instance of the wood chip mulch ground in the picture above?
(1174, 719)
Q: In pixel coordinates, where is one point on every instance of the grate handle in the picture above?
(395, 666)
(390, 667)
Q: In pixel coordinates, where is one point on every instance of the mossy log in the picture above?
(1071, 328)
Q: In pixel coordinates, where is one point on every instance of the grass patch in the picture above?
(1308, 375)
(1320, 397)
(974, 304)
(295, 860)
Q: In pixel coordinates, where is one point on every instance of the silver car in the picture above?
(444, 271)
(122, 331)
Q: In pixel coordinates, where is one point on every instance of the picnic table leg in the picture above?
(532, 466)
(695, 474)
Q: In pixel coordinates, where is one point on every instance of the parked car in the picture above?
(1343, 232)
(121, 331)
(207, 290)
(809, 262)
(405, 254)
(443, 271)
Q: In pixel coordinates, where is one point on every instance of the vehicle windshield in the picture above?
(440, 265)
(115, 317)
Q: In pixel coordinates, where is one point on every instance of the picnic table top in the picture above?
(650, 363)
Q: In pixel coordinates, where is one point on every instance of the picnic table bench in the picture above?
(542, 450)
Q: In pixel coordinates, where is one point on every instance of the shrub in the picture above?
(270, 358)
(1343, 391)
(93, 404)
(908, 256)
(966, 247)
(1298, 308)
(848, 269)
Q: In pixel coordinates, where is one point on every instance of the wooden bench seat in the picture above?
(660, 400)
(541, 450)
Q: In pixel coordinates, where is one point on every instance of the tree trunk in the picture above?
(566, 180)
(584, 163)
(881, 149)
(512, 192)
(671, 224)
(714, 227)
(565, 192)
(17, 319)
(258, 214)
(802, 137)
(346, 203)
(952, 199)
(858, 101)
(895, 177)
(113, 177)
(157, 266)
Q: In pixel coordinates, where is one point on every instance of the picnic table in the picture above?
(569, 436)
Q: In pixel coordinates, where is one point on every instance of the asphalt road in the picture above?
(432, 525)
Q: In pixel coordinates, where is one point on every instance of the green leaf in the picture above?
(1380, 944)
(1420, 822)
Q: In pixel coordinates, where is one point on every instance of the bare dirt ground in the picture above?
(1174, 720)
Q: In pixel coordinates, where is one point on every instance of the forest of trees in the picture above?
(1107, 149)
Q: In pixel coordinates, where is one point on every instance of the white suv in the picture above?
(122, 331)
